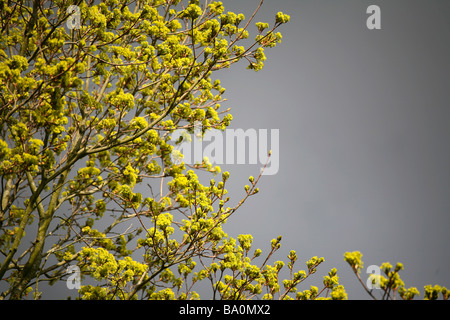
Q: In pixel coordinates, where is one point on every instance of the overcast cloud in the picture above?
(364, 136)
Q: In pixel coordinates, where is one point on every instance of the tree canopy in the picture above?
(90, 94)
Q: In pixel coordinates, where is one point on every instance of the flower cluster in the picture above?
(86, 116)
(389, 283)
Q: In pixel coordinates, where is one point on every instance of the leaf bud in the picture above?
(225, 175)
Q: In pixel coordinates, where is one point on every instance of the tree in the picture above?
(90, 94)
(390, 286)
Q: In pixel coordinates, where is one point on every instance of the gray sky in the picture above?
(364, 136)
